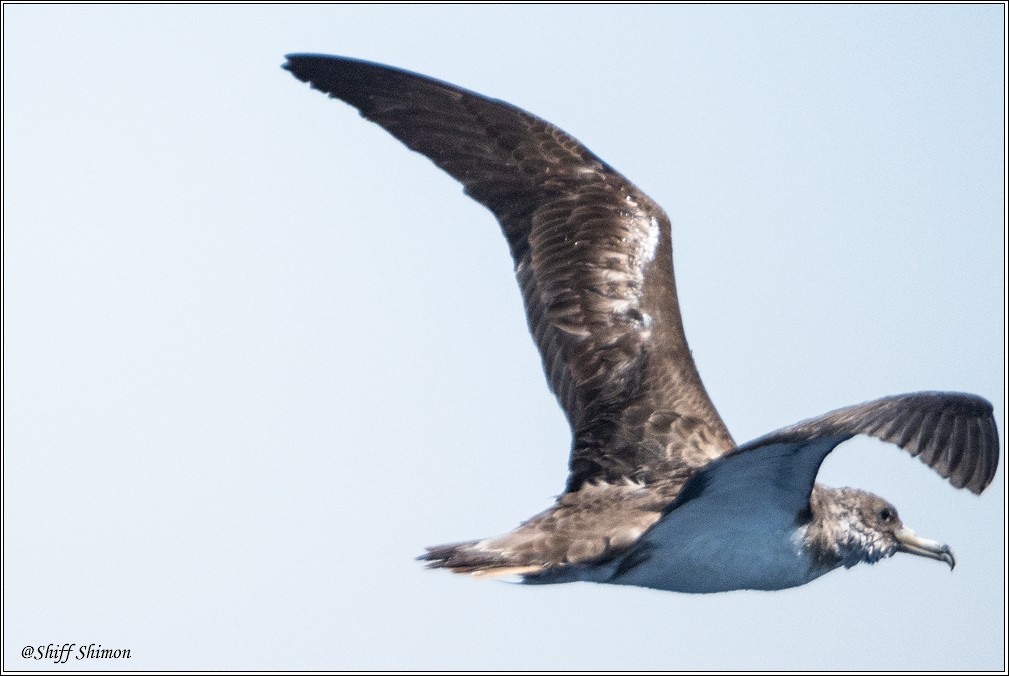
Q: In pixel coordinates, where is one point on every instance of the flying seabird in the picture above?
(659, 494)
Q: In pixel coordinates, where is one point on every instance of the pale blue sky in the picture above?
(258, 355)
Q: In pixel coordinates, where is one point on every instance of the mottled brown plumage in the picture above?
(593, 258)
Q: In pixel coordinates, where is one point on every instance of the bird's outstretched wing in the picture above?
(953, 433)
(592, 255)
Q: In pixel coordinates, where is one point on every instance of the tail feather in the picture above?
(470, 557)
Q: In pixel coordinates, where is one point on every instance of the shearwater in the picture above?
(658, 495)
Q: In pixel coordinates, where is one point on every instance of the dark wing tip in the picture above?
(967, 423)
(351, 79)
(302, 65)
(338, 76)
(330, 74)
(954, 433)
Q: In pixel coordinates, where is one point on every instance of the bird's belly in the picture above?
(714, 560)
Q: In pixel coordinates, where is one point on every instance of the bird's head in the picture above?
(859, 526)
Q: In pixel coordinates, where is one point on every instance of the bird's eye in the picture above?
(886, 514)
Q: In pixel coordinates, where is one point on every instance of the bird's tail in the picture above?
(477, 559)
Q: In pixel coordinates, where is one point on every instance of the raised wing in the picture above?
(593, 257)
(953, 433)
